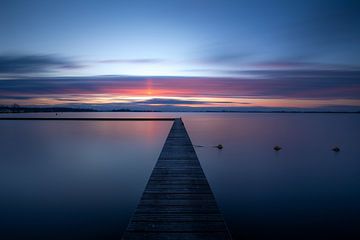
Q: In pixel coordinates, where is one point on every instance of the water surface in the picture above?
(304, 191)
(74, 180)
(77, 180)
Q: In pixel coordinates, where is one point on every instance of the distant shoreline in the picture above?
(18, 109)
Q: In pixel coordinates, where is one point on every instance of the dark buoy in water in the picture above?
(219, 146)
(336, 149)
(277, 148)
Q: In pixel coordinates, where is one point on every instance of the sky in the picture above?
(181, 55)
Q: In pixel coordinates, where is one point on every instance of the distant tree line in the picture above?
(15, 108)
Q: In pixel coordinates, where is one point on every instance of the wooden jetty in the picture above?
(177, 202)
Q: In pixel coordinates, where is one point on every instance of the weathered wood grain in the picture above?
(177, 202)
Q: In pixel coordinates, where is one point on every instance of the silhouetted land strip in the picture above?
(177, 202)
(85, 119)
(18, 109)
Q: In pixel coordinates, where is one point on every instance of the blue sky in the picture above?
(204, 38)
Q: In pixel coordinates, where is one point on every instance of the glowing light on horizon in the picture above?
(177, 92)
(199, 101)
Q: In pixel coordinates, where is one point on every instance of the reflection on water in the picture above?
(83, 179)
(71, 180)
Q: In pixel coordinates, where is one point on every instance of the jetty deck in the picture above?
(177, 202)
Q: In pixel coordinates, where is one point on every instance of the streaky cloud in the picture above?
(133, 61)
(309, 84)
(20, 64)
(171, 101)
(222, 58)
(306, 74)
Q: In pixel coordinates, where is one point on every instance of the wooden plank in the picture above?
(176, 235)
(175, 226)
(177, 217)
(177, 202)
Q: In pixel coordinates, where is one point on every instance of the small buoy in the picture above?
(336, 149)
(219, 146)
(277, 148)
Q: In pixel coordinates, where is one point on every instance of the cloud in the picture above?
(171, 101)
(133, 61)
(284, 63)
(264, 84)
(20, 64)
(310, 74)
(15, 97)
(223, 58)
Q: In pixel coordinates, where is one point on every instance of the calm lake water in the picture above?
(83, 180)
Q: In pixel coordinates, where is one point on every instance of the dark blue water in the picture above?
(304, 191)
(74, 180)
(83, 180)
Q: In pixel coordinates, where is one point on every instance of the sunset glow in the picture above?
(181, 55)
